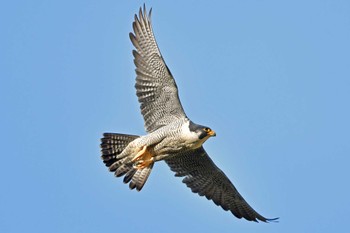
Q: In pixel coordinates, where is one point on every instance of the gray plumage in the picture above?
(202, 176)
(155, 86)
(172, 137)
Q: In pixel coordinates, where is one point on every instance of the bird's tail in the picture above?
(112, 144)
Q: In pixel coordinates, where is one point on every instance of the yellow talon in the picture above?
(139, 154)
(143, 158)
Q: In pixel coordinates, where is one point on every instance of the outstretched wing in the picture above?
(202, 176)
(155, 86)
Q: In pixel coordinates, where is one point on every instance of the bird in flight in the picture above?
(171, 137)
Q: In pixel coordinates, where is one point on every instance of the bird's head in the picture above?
(203, 132)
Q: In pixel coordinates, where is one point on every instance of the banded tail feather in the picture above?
(112, 144)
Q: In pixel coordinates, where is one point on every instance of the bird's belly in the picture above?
(171, 147)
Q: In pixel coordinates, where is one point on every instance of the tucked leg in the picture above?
(143, 158)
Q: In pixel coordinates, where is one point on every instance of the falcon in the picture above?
(171, 137)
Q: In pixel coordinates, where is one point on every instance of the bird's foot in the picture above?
(143, 158)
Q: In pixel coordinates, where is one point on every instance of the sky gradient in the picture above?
(272, 79)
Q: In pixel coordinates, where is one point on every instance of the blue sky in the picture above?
(272, 78)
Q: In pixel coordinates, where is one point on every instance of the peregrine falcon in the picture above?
(171, 137)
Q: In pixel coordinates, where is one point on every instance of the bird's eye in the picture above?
(207, 130)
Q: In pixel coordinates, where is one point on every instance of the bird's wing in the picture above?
(202, 176)
(155, 86)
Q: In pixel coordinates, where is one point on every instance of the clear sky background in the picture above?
(272, 78)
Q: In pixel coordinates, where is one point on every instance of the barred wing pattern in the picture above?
(202, 176)
(155, 87)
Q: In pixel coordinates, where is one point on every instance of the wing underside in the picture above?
(155, 86)
(202, 176)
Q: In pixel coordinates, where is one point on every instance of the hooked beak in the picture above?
(212, 133)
